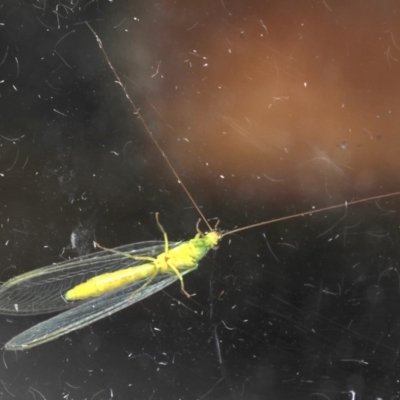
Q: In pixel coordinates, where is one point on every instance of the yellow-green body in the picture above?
(183, 257)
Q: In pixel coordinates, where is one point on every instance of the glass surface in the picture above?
(265, 109)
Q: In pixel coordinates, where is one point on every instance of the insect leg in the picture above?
(153, 275)
(178, 274)
(144, 258)
(173, 268)
(164, 234)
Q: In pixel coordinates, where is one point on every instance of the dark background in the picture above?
(266, 109)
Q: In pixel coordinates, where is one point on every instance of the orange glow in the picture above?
(303, 97)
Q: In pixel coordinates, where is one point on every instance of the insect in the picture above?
(92, 287)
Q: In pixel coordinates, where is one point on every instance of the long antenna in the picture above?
(303, 214)
(142, 120)
(139, 115)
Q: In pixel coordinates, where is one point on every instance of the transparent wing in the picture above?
(41, 291)
(89, 312)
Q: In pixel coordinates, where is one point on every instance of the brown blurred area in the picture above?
(299, 94)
